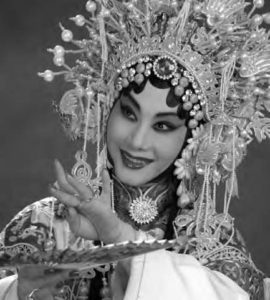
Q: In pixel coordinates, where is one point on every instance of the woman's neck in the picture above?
(145, 207)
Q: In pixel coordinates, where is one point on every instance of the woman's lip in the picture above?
(134, 162)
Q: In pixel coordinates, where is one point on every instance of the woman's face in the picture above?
(144, 135)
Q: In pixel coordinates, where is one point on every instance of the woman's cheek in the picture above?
(172, 143)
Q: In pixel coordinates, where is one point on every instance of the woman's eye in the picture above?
(160, 126)
(127, 112)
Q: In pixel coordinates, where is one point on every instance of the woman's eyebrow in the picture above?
(133, 101)
(167, 114)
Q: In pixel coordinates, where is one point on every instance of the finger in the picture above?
(74, 220)
(67, 199)
(106, 182)
(81, 226)
(61, 178)
(85, 192)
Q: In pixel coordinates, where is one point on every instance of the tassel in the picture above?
(103, 42)
(182, 19)
(227, 74)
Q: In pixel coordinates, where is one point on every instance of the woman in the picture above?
(138, 126)
(169, 99)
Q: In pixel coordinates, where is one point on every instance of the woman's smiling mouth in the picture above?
(134, 162)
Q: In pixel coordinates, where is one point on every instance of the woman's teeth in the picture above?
(134, 162)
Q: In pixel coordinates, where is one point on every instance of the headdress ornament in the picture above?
(215, 53)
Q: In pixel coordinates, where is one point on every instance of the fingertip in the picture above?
(69, 177)
(56, 162)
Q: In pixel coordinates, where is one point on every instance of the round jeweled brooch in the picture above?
(143, 210)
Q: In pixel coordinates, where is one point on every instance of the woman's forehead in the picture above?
(153, 99)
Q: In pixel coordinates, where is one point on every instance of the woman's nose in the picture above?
(139, 138)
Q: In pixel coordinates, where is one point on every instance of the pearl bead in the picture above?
(149, 66)
(200, 171)
(257, 20)
(253, 35)
(179, 190)
(252, 79)
(130, 6)
(184, 82)
(89, 92)
(140, 68)
(147, 73)
(59, 61)
(131, 78)
(49, 245)
(132, 71)
(192, 123)
(172, 21)
(139, 78)
(241, 143)
(243, 69)
(79, 20)
(179, 90)
(194, 99)
(199, 116)
(187, 106)
(266, 18)
(174, 4)
(48, 75)
(105, 13)
(244, 133)
(125, 82)
(258, 91)
(197, 8)
(67, 35)
(230, 29)
(105, 292)
(59, 50)
(174, 81)
(183, 201)
(258, 3)
(124, 73)
(216, 174)
(91, 6)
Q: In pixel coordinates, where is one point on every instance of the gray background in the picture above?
(30, 135)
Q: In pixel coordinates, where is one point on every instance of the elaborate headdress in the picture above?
(216, 55)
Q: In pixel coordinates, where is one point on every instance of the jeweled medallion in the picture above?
(143, 210)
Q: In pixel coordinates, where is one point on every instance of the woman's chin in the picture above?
(132, 177)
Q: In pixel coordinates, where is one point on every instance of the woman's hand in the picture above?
(37, 278)
(89, 216)
(78, 223)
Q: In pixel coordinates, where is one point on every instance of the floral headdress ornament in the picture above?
(216, 55)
